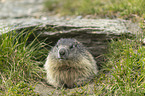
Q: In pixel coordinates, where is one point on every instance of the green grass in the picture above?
(126, 58)
(103, 8)
(19, 69)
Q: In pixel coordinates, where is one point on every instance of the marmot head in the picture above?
(67, 49)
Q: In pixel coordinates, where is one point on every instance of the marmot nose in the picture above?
(62, 53)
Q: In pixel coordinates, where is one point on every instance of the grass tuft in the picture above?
(18, 64)
(126, 73)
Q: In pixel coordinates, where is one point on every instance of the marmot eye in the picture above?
(73, 46)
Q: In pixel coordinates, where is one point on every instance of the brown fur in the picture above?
(70, 72)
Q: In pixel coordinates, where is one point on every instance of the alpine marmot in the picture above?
(69, 64)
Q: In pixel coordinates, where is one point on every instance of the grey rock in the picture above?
(20, 8)
(94, 26)
(20, 14)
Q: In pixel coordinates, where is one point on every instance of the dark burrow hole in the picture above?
(96, 43)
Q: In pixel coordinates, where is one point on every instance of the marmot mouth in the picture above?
(63, 58)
